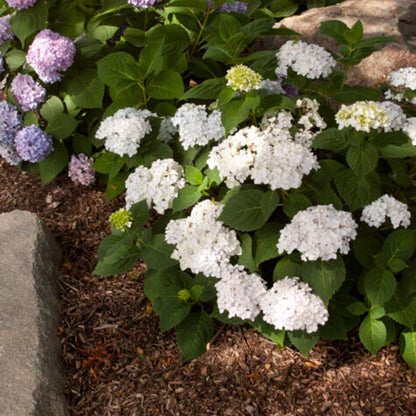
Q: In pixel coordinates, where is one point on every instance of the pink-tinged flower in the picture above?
(28, 93)
(80, 169)
(50, 54)
(21, 4)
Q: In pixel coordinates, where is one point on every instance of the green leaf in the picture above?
(30, 118)
(400, 243)
(135, 37)
(156, 253)
(350, 95)
(332, 139)
(81, 144)
(266, 240)
(365, 247)
(379, 285)
(372, 334)
(166, 85)
(248, 210)
(122, 259)
(234, 113)
(25, 22)
(357, 191)
(246, 257)
(194, 333)
(15, 59)
(53, 164)
(116, 184)
(362, 159)
(61, 126)
(109, 245)
(393, 151)
(283, 8)
(325, 277)
(193, 175)
(286, 267)
(107, 161)
(70, 22)
(392, 137)
(357, 308)
(335, 29)
(119, 70)
(397, 265)
(207, 90)
(187, 196)
(402, 308)
(334, 327)
(171, 310)
(86, 90)
(52, 107)
(140, 212)
(408, 347)
(376, 312)
(269, 331)
(303, 341)
(294, 203)
(151, 57)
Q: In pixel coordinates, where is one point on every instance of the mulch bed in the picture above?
(119, 364)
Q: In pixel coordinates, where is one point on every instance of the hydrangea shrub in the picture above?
(278, 196)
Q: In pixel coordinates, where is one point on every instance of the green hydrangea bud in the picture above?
(241, 78)
(184, 295)
(121, 219)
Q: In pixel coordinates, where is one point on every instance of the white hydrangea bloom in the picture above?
(318, 233)
(291, 305)
(311, 61)
(396, 96)
(410, 129)
(124, 130)
(277, 123)
(158, 185)
(273, 87)
(311, 121)
(238, 293)
(243, 79)
(281, 163)
(203, 244)
(362, 116)
(167, 130)
(197, 127)
(234, 156)
(403, 77)
(395, 115)
(271, 159)
(384, 207)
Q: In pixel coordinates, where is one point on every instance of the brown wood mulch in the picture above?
(119, 364)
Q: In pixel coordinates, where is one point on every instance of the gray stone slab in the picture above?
(31, 370)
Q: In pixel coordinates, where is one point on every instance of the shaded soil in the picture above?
(119, 364)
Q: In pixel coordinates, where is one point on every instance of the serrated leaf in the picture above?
(61, 126)
(362, 159)
(15, 59)
(86, 90)
(325, 277)
(246, 258)
(286, 267)
(53, 164)
(400, 243)
(194, 333)
(193, 175)
(379, 285)
(266, 243)
(249, 210)
(166, 85)
(303, 341)
(51, 108)
(372, 334)
(294, 203)
(233, 113)
(357, 191)
(207, 90)
(187, 196)
(357, 308)
(269, 331)
(408, 347)
(172, 310)
(156, 253)
(332, 139)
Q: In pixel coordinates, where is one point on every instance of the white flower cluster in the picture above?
(273, 160)
(402, 79)
(311, 61)
(395, 115)
(318, 233)
(203, 244)
(386, 206)
(311, 121)
(291, 305)
(410, 129)
(362, 116)
(273, 87)
(238, 293)
(158, 185)
(166, 130)
(197, 127)
(124, 130)
(277, 123)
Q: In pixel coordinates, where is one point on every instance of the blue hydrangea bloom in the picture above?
(32, 144)
(28, 93)
(5, 29)
(143, 4)
(21, 4)
(50, 54)
(237, 6)
(1, 63)
(10, 123)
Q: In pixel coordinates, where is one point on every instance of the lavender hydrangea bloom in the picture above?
(21, 4)
(32, 144)
(10, 123)
(28, 93)
(5, 29)
(143, 4)
(80, 169)
(237, 6)
(10, 154)
(1, 63)
(49, 54)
